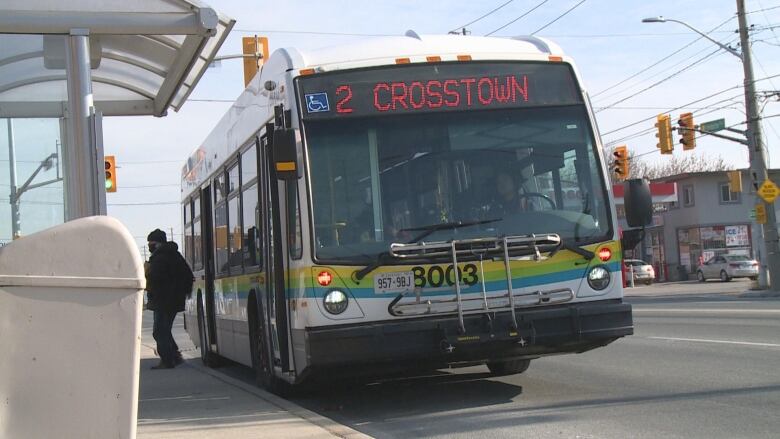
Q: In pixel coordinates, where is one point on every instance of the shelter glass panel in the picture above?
(30, 174)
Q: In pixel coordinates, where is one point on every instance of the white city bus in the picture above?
(403, 203)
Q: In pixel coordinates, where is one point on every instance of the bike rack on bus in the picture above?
(508, 248)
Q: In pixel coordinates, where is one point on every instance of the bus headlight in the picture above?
(598, 277)
(336, 302)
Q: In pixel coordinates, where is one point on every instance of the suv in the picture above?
(643, 272)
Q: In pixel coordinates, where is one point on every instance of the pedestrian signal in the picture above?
(620, 162)
(110, 165)
(664, 134)
(687, 131)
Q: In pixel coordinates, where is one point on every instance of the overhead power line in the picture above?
(517, 18)
(621, 128)
(153, 203)
(483, 16)
(338, 34)
(661, 60)
(558, 17)
(659, 82)
(646, 131)
(763, 9)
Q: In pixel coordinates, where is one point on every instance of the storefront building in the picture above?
(702, 219)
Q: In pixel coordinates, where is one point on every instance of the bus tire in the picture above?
(208, 358)
(259, 351)
(508, 367)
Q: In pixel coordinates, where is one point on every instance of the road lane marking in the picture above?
(708, 311)
(703, 340)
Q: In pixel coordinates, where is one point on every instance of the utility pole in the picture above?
(15, 222)
(758, 170)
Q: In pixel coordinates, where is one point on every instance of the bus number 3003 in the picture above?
(436, 276)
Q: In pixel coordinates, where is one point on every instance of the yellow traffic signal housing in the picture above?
(255, 51)
(664, 134)
(110, 165)
(687, 131)
(735, 181)
(620, 165)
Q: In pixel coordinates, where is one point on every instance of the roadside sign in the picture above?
(760, 215)
(752, 214)
(713, 125)
(768, 191)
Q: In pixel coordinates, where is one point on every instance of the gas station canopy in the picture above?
(145, 55)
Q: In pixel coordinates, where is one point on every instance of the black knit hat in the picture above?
(157, 235)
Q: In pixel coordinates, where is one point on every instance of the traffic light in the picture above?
(735, 181)
(110, 163)
(255, 54)
(664, 134)
(687, 131)
(620, 162)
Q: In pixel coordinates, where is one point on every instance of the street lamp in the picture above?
(661, 19)
(758, 171)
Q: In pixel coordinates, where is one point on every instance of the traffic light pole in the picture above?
(770, 251)
(767, 248)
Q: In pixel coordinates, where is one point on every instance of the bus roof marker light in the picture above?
(433, 58)
(554, 58)
(324, 278)
(306, 72)
(464, 57)
(605, 254)
(403, 61)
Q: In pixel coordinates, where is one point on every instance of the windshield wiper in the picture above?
(427, 230)
(585, 253)
(430, 229)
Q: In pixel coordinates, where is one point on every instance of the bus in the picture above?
(404, 203)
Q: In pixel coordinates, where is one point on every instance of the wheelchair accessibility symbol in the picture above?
(317, 103)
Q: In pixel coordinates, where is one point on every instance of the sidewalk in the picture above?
(192, 401)
(692, 288)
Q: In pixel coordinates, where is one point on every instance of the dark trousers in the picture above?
(166, 345)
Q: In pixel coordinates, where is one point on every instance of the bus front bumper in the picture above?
(409, 343)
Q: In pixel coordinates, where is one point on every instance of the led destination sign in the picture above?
(436, 87)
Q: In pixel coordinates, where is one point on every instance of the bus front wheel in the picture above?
(508, 367)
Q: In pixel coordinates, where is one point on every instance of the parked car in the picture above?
(643, 272)
(727, 267)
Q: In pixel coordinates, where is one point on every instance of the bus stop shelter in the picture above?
(82, 60)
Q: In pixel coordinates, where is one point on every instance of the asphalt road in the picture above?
(701, 365)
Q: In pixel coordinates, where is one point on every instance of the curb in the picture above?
(331, 426)
(759, 294)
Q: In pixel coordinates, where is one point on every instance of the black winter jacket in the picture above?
(163, 277)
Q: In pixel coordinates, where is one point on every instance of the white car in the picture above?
(643, 272)
(727, 267)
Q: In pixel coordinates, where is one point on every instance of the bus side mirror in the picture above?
(285, 154)
(638, 202)
(631, 237)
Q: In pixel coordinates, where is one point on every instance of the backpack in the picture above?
(184, 279)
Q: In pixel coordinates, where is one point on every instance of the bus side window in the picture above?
(221, 237)
(252, 248)
(252, 239)
(294, 241)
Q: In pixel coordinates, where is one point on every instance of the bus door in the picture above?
(277, 298)
(207, 231)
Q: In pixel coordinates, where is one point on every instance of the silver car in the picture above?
(727, 267)
(643, 272)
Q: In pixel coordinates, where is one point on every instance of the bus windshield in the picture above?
(532, 170)
(393, 166)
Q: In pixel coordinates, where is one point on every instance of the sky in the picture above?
(606, 39)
